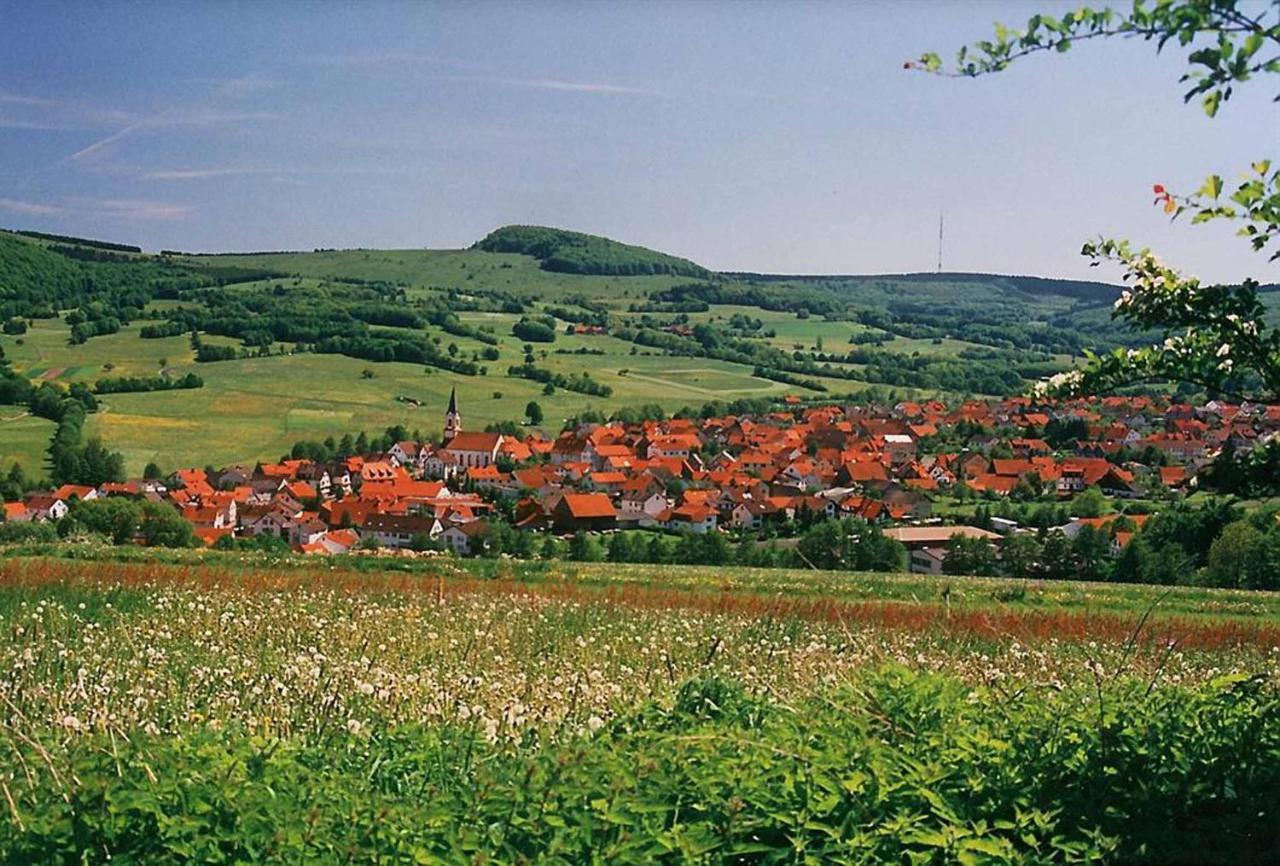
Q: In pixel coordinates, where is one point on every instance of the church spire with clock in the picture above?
(452, 419)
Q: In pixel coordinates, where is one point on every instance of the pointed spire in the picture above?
(452, 418)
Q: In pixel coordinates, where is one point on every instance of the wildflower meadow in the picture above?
(231, 711)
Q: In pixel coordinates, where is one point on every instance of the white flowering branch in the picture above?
(1212, 336)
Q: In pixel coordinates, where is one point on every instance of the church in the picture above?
(466, 450)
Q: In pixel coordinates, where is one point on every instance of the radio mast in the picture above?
(939, 241)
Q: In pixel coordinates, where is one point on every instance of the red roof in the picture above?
(487, 442)
(584, 505)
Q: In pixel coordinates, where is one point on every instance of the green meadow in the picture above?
(423, 270)
(256, 408)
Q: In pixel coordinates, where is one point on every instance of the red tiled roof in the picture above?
(584, 505)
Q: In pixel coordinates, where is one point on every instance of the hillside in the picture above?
(304, 345)
(1085, 290)
(577, 253)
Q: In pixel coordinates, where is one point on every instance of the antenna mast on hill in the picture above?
(939, 241)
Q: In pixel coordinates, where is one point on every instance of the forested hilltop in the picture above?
(578, 253)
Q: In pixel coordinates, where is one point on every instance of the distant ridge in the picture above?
(80, 242)
(1089, 290)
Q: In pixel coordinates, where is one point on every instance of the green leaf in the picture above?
(1212, 187)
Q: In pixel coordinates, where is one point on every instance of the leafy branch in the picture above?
(1235, 41)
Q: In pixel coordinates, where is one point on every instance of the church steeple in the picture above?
(452, 418)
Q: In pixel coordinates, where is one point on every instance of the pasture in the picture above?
(427, 270)
(256, 408)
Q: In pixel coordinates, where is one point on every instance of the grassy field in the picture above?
(257, 408)
(23, 440)
(201, 706)
(445, 269)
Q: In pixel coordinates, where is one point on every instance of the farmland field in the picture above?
(256, 408)
(438, 711)
(23, 439)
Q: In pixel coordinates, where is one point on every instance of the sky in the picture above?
(757, 136)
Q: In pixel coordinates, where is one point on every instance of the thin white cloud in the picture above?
(98, 145)
(202, 173)
(204, 117)
(109, 208)
(388, 59)
(574, 86)
(20, 99)
(482, 76)
(17, 123)
(244, 85)
(30, 208)
(128, 208)
(173, 118)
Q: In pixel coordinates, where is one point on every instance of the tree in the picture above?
(969, 556)
(1243, 557)
(1214, 337)
(1092, 548)
(584, 547)
(620, 547)
(1059, 557)
(1021, 555)
(533, 412)
(850, 544)
(1091, 503)
(160, 525)
(152, 472)
(113, 517)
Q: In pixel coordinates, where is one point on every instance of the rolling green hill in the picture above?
(304, 345)
(577, 253)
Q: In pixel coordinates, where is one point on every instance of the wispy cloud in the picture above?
(556, 84)
(133, 209)
(202, 173)
(107, 208)
(387, 59)
(201, 112)
(40, 113)
(44, 126)
(20, 99)
(30, 208)
(243, 85)
(177, 117)
(478, 74)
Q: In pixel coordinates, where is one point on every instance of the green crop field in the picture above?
(256, 408)
(198, 706)
(23, 440)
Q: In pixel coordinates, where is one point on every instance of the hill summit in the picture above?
(579, 253)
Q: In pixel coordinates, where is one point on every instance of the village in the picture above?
(746, 476)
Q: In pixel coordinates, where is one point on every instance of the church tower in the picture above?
(452, 420)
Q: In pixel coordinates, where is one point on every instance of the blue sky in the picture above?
(781, 137)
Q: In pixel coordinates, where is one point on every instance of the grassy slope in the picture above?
(23, 440)
(460, 269)
(257, 408)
